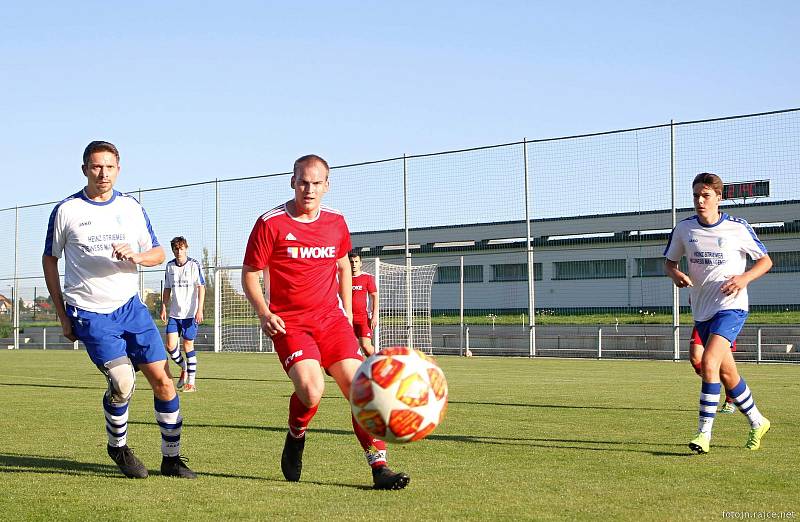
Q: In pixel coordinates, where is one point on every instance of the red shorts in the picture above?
(327, 340)
(695, 339)
(361, 326)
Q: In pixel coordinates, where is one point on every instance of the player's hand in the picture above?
(272, 324)
(373, 322)
(124, 252)
(734, 284)
(198, 317)
(163, 315)
(66, 329)
(681, 280)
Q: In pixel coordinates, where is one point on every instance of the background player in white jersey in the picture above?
(301, 249)
(103, 235)
(365, 297)
(716, 246)
(185, 291)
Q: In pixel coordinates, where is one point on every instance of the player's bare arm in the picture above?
(201, 301)
(680, 279)
(739, 282)
(165, 296)
(373, 320)
(271, 323)
(345, 273)
(124, 252)
(53, 282)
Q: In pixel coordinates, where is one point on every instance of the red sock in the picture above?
(374, 449)
(300, 416)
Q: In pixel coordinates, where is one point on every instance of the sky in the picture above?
(196, 91)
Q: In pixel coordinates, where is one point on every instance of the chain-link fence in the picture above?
(548, 247)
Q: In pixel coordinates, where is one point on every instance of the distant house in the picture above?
(5, 305)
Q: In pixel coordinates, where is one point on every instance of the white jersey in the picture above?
(715, 253)
(84, 232)
(183, 280)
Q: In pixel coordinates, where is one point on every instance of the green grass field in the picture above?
(523, 440)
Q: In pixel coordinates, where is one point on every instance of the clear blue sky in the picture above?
(192, 91)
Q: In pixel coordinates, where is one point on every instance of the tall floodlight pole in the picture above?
(409, 302)
(676, 303)
(529, 248)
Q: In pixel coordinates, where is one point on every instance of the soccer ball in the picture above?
(399, 395)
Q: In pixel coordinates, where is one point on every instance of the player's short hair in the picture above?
(712, 180)
(309, 159)
(354, 253)
(178, 241)
(99, 146)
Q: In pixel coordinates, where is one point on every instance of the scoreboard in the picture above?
(747, 189)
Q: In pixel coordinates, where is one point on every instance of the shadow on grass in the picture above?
(224, 379)
(66, 386)
(570, 407)
(544, 443)
(16, 463)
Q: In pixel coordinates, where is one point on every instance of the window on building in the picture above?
(654, 266)
(515, 272)
(594, 269)
(452, 274)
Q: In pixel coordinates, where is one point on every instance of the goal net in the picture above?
(404, 308)
(236, 327)
(404, 304)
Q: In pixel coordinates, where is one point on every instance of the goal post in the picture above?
(404, 304)
(404, 307)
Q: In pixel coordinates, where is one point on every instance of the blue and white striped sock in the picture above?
(168, 417)
(743, 399)
(191, 365)
(177, 357)
(709, 400)
(116, 422)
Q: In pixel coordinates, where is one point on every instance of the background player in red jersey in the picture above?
(301, 249)
(364, 323)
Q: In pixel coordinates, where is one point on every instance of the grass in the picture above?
(523, 439)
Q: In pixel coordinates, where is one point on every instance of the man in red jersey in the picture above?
(364, 322)
(301, 249)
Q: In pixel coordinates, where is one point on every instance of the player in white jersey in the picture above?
(185, 291)
(103, 235)
(716, 246)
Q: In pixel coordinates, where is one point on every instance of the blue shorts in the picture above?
(186, 328)
(725, 323)
(127, 331)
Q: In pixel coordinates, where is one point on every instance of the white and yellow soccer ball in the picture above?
(399, 394)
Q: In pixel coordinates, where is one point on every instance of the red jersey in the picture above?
(301, 257)
(363, 284)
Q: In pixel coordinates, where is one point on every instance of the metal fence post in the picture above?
(377, 334)
(409, 302)
(529, 250)
(15, 288)
(676, 298)
(758, 346)
(461, 307)
(44, 338)
(217, 312)
(599, 343)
